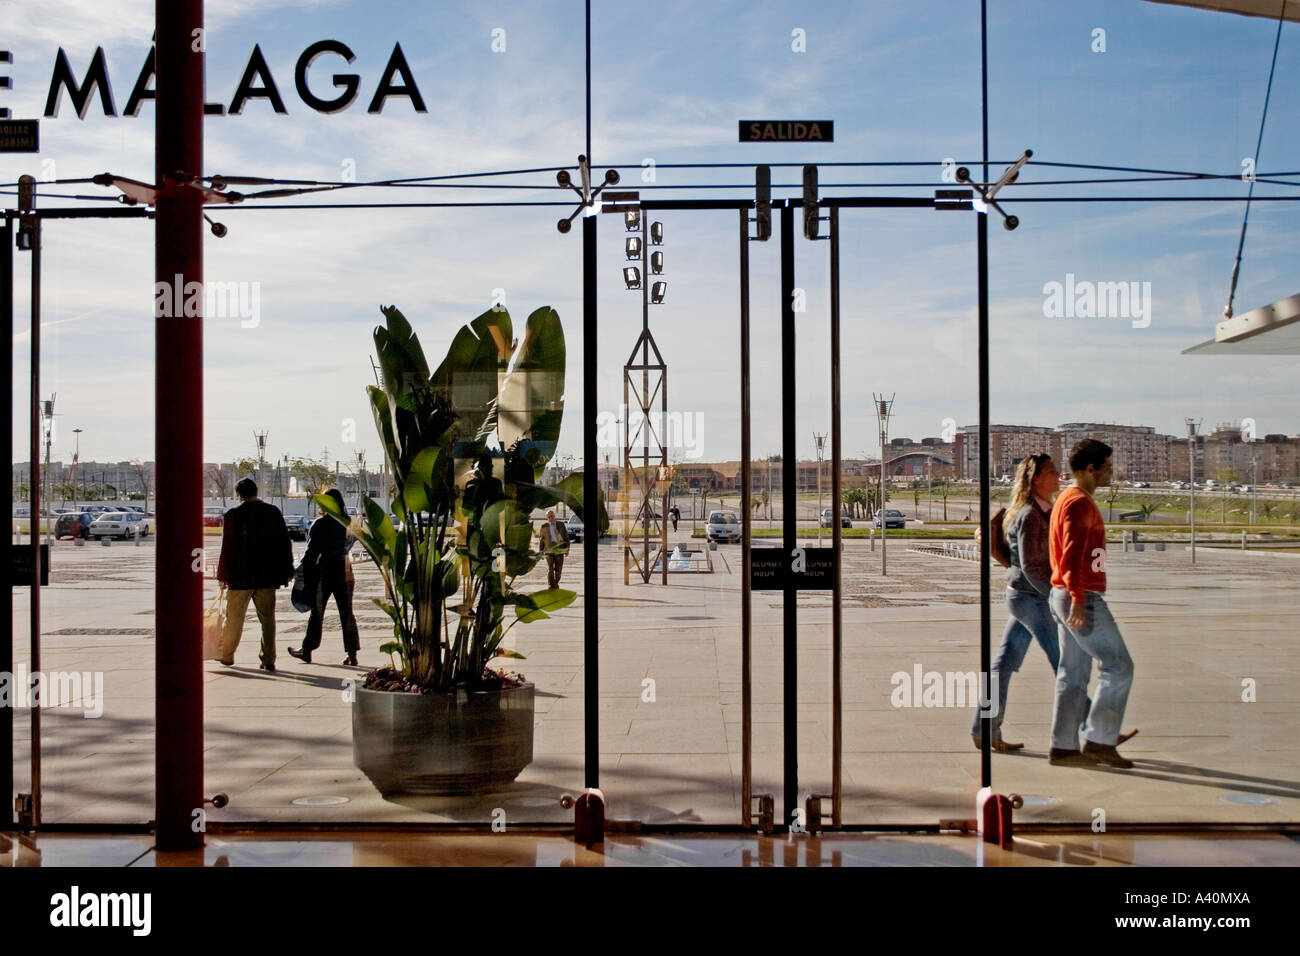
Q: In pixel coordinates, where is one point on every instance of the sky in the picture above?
(1161, 87)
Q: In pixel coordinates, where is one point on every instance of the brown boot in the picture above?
(1107, 754)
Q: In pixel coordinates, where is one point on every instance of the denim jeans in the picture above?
(1099, 639)
(1030, 620)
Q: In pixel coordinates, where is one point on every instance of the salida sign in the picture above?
(257, 82)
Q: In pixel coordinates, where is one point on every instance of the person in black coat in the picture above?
(326, 566)
(256, 558)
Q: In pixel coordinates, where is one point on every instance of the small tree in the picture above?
(141, 472)
(218, 482)
(941, 485)
(315, 476)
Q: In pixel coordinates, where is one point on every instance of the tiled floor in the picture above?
(670, 702)
(1204, 849)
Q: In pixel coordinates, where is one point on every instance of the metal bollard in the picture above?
(1243, 541)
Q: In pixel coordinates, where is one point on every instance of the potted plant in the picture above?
(467, 444)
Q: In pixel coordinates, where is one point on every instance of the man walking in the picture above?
(1088, 632)
(256, 558)
(554, 540)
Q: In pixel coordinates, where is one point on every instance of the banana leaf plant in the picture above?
(467, 444)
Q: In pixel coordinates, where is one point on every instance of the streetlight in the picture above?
(76, 465)
(821, 445)
(884, 408)
(1192, 426)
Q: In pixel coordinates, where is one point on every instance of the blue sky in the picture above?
(1175, 89)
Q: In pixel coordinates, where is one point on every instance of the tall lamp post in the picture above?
(821, 445)
(48, 414)
(884, 408)
(652, 454)
(1192, 426)
(1254, 478)
(76, 465)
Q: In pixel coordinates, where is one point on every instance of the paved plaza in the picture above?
(670, 707)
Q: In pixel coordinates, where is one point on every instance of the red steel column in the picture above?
(178, 428)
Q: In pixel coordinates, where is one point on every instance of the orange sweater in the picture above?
(1077, 543)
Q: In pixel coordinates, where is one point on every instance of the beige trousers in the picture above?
(236, 609)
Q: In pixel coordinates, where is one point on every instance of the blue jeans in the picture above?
(1099, 639)
(1031, 620)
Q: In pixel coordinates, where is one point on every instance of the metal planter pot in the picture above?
(443, 743)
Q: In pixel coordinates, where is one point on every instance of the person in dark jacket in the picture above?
(256, 558)
(326, 564)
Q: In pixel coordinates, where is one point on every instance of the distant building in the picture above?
(1139, 453)
(1008, 446)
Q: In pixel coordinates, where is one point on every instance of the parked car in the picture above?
(893, 518)
(73, 524)
(119, 524)
(723, 526)
(297, 526)
(828, 519)
(574, 528)
(214, 517)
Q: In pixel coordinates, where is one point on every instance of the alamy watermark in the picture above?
(681, 433)
(945, 689)
(212, 300)
(1085, 299)
(71, 690)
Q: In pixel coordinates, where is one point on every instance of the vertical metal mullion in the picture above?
(34, 499)
(837, 609)
(178, 439)
(590, 492)
(7, 597)
(789, 524)
(982, 267)
(746, 611)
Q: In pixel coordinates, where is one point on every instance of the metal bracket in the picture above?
(586, 193)
(25, 807)
(988, 191)
(812, 814)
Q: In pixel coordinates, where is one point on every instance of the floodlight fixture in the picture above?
(657, 293)
(656, 233)
(633, 248)
(656, 263)
(632, 219)
(632, 276)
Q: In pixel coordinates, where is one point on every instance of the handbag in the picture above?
(298, 596)
(997, 539)
(214, 626)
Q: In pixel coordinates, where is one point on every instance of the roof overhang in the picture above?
(1271, 330)
(1269, 9)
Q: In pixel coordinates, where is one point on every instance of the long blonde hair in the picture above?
(1022, 489)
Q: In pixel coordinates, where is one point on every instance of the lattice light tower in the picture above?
(646, 473)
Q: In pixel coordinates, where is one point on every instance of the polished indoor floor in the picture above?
(1201, 849)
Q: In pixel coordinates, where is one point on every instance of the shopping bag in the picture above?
(214, 627)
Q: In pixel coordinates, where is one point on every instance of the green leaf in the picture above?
(533, 607)
(418, 488)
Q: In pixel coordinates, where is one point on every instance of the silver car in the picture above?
(723, 526)
(120, 525)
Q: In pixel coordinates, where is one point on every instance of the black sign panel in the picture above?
(20, 565)
(808, 569)
(787, 131)
(20, 136)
